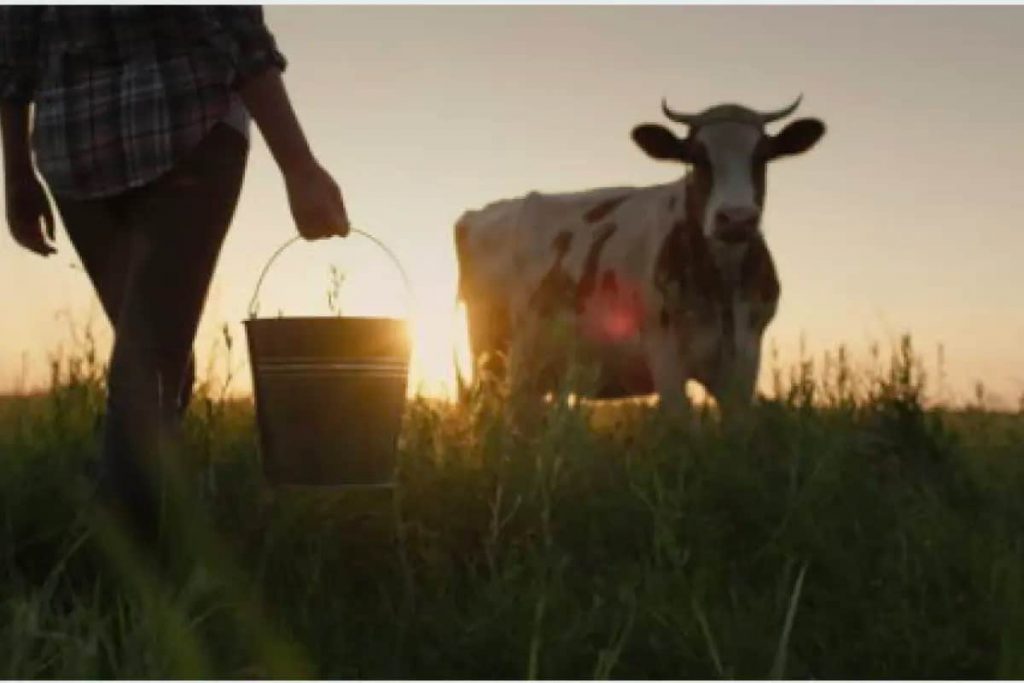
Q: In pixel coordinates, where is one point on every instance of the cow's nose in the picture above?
(736, 224)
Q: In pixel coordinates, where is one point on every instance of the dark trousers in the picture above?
(150, 253)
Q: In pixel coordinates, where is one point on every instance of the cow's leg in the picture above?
(520, 372)
(669, 372)
(526, 390)
(734, 383)
(488, 331)
(486, 314)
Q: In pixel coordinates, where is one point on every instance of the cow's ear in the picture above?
(797, 137)
(660, 143)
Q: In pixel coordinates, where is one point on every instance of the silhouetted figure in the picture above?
(140, 130)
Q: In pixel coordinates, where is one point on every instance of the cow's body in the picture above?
(630, 274)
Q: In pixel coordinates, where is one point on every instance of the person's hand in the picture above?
(316, 203)
(29, 216)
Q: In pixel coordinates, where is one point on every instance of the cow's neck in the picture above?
(728, 262)
(720, 274)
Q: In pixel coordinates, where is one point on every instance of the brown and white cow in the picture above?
(660, 284)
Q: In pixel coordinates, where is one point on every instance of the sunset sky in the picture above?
(907, 217)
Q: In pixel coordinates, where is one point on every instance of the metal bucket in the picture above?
(329, 393)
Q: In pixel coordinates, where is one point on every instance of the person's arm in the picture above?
(28, 210)
(315, 199)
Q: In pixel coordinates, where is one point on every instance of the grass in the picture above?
(842, 530)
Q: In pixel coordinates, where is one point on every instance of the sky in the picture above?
(907, 217)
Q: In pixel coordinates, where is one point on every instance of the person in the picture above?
(140, 125)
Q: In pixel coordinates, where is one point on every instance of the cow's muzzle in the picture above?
(736, 225)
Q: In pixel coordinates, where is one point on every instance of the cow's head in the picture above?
(729, 151)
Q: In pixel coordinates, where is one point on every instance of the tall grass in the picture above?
(845, 528)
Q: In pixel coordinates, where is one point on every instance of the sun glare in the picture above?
(353, 278)
(440, 343)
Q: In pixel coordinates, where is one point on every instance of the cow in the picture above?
(657, 284)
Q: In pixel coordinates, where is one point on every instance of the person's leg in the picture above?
(98, 231)
(99, 237)
(176, 226)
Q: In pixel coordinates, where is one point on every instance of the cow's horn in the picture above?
(768, 117)
(686, 119)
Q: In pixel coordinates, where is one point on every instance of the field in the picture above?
(841, 530)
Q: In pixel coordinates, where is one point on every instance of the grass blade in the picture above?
(779, 666)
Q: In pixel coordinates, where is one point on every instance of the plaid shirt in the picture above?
(123, 92)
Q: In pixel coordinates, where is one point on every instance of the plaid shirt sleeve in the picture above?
(252, 46)
(19, 35)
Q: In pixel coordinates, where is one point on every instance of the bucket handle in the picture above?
(254, 302)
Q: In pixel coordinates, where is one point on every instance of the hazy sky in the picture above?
(906, 217)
